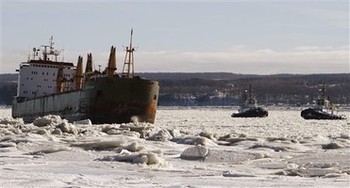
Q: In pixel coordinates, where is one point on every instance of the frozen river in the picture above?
(187, 147)
(278, 123)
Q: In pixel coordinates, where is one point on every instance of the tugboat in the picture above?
(250, 108)
(323, 109)
(48, 86)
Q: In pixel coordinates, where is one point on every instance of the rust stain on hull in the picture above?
(104, 100)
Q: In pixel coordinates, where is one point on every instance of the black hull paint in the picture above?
(311, 113)
(254, 112)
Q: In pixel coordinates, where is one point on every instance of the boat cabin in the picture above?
(43, 75)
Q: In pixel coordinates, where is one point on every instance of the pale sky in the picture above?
(249, 37)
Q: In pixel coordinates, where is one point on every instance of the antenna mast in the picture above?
(128, 68)
(51, 51)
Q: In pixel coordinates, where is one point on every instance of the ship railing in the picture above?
(22, 99)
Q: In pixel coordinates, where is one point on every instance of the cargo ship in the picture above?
(47, 85)
(323, 109)
(249, 107)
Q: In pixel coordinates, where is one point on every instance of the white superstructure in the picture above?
(323, 104)
(39, 75)
(249, 101)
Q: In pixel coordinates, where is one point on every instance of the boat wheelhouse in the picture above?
(249, 107)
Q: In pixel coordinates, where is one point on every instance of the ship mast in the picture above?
(51, 51)
(45, 53)
(250, 94)
(128, 68)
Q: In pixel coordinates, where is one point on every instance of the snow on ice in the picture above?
(186, 147)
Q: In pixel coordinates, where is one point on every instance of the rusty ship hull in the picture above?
(102, 100)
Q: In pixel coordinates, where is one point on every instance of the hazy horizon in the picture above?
(241, 37)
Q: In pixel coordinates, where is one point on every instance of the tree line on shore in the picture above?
(227, 88)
